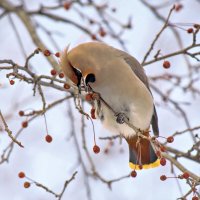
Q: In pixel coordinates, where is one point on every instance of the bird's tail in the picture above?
(142, 155)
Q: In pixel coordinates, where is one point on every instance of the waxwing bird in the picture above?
(121, 82)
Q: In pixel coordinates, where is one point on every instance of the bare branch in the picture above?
(158, 35)
(25, 18)
(9, 131)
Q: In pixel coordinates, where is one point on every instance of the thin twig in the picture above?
(66, 185)
(158, 35)
(7, 151)
(9, 131)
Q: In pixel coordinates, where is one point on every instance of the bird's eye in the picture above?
(90, 78)
(78, 75)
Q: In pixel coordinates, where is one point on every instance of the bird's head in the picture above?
(86, 62)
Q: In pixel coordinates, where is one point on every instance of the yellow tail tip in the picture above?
(146, 166)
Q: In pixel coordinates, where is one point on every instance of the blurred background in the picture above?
(130, 26)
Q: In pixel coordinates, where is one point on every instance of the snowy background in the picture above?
(52, 164)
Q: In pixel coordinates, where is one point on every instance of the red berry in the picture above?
(61, 75)
(96, 149)
(94, 37)
(195, 198)
(12, 82)
(190, 30)
(140, 167)
(163, 161)
(162, 148)
(133, 174)
(88, 97)
(166, 64)
(27, 184)
(21, 175)
(21, 113)
(48, 138)
(66, 86)
(53, 72)
(92, 112)
(186, 175)
(46, 52)
(158, 153)
(170, 139)
(178, 7)
(102, 32)
(163, 178)
(67, 5)
(57, 54)
(24, 124)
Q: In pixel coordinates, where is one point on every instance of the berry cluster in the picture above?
(61, 75)
(96, 148)
(54, 73)
(24, 123)
(160, 148)
(48, 137)
(26, 183)
(90, 97)
(185, 175)
(46, 52)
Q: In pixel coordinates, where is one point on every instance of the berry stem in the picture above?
(45, 120)
(94, 134)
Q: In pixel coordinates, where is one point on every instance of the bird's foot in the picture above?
(121, 118)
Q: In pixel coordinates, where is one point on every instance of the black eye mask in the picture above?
(78, 75)
(90, 78)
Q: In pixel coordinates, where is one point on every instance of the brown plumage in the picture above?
(122, 83)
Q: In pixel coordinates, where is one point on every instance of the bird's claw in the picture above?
(121, 118)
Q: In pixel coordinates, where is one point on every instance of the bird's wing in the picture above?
(139, 71)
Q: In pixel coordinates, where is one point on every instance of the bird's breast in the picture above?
(123, 92)
(138, 110)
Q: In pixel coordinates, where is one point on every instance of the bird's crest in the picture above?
(67, 67)
(63, 62)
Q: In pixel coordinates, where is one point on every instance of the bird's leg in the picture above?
(121, 118)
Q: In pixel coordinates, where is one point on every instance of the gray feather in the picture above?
(139, 71)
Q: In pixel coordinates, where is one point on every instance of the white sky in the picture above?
(51, 164)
